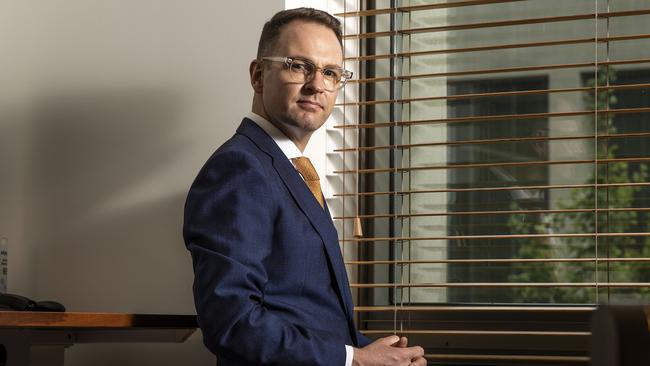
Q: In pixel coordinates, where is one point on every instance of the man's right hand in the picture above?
(387, 351)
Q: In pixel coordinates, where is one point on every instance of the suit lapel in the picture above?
(319, 218)
(344, 285)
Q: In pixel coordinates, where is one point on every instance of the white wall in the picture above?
(107, 111)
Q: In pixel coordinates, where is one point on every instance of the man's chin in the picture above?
(311, 122)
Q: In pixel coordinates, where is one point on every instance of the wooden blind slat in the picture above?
(497, 117)
(469, 96)
(495, 94)
(499, 164)
(494, 189)
(507, 358)
(500, 23)
(495, 261)
(494, 141)
(560, 42)
(497, 237)
(500, 70)
(410, 8)
(504, 285)
(498, 212)
(481, 332)
(477, 308)
(480, 72)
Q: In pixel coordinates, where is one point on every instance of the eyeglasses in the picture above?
(303, 71)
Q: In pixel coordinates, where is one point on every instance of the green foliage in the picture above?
(584, 219)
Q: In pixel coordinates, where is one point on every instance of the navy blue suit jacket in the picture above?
(270, 286)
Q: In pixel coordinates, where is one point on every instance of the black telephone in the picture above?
(22, 303)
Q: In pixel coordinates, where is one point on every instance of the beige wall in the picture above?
(107, 111)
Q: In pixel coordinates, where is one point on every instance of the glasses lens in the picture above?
(330, 84)
(303, 72)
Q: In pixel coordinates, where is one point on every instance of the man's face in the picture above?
(300, 107)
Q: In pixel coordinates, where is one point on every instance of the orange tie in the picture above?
(310, 176)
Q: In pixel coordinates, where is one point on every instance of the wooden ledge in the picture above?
(73, 320)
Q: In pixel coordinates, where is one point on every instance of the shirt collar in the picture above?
(287, 146)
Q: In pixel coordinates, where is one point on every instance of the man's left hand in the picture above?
(403, 343)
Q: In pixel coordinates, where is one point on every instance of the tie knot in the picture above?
(305, 168)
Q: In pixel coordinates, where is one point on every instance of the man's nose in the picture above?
(317, 83)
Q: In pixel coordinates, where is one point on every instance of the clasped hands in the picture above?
(389, 351)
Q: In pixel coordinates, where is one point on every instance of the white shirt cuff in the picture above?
(349, 355)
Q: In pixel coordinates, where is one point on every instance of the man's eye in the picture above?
(299, 67)
(332, 74)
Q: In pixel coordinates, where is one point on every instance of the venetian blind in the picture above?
(495, 155)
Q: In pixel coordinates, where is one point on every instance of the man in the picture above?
(270, 285)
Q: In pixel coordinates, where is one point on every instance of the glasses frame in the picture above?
(346, 75)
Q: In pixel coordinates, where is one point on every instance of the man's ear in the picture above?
(255, 71)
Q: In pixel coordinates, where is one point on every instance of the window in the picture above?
(497, 161)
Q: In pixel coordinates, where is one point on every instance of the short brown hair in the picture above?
(272, 28)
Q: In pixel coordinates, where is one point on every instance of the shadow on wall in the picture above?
(106, 201)
(106, 196)
(12, 170)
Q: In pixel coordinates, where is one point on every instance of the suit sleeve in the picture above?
(229, 216)
(363, 340)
